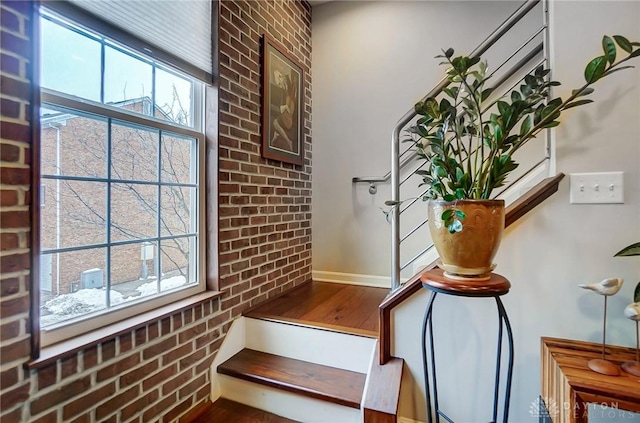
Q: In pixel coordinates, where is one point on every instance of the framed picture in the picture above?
(282, 104)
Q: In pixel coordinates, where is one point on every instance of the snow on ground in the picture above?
(84, 301)
(151, 288)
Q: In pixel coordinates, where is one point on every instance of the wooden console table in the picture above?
(568, 385)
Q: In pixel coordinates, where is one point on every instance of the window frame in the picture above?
(92, 321)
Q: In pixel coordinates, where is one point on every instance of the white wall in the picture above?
(545, 255)
(371, 62)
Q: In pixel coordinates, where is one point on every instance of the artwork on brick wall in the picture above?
(282, 93)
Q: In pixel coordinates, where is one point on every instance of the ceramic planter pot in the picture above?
(470, 252)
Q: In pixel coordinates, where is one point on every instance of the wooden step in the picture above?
(339, 386)
(224, 410)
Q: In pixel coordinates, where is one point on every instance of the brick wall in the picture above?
(159, 371)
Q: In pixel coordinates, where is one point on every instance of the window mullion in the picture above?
(159, 211)
(108, 208)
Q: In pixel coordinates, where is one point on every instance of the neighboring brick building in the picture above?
(74, 213)
(159, 370)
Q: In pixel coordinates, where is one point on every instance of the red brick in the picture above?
(10, 65)
(47, 376)
(108, 350)
(176, 381)
(136, 375)
(9, 152)
(125, 343)
(9, 286)
(10, 109)
(159, 348)
(158, 409)
(12, 417)
(69, 367)
(15, 219)
(10, 42)
(8, 198)
(137, 406)
(14, 397)
(166, 373)
(90, 357)
(193, 358)
(10, 330)
(15, 132)
(85, 418)
(9, 20)
(116, 403)
(88, 401)
(47, 418)
(13, 87)
(118, 367)
(193, 386)
(9, 378)
(15, 306)
(20, 6)
(177, 353)
(60, 395)
(177, 411)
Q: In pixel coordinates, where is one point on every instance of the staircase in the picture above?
(276, 368)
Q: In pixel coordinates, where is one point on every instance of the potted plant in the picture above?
(469, 139)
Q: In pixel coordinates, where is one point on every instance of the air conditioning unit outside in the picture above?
(92, 278)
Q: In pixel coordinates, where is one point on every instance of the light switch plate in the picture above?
(597, 188)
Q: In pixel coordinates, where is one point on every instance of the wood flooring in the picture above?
(226, 411)
(339, 386)
(345, 308)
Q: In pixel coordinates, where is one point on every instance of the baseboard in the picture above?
(408, 420)
(352, 279)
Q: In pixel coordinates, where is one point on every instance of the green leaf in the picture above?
(447, 215)
(623, 43)
(609, 49)
(431, 107)
(578, 103)
(526, 125)
(582, 93)
(448, 53)
(392, 203)
(460, 214)
(551, 124)
(631, 250)
(610, 71)
(595, 69)
(515, 96)
(449, 197)
(636, 294)
(459, 195)
(635, 53)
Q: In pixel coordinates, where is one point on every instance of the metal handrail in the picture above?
(394, 214)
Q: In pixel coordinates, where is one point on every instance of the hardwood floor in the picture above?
(226, 411)
(339, 386)
(345, 308)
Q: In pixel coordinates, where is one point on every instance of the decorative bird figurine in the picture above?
(632, 311)
(607, 287)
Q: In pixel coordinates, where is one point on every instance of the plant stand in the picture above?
(496, 286)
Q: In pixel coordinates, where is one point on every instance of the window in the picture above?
(121, 160)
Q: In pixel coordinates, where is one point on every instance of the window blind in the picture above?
(181, 28)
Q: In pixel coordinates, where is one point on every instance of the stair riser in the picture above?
(286, 404)
(312, 345)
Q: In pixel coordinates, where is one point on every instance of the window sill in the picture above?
(51, 353)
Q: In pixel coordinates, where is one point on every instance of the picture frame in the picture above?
(282, 104)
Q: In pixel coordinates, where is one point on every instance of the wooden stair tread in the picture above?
(314, 380)
(224, 410)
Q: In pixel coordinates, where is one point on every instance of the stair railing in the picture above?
(401, 160)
